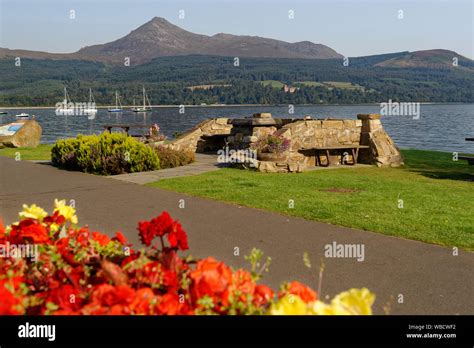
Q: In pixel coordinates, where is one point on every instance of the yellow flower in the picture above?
(321, 308)
(352, 302)
(65, 210)
(32, 212)
(355, 301)
(289, 305)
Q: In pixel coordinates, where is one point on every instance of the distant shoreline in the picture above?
(129, 107)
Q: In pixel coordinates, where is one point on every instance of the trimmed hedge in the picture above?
(104, 154)
(171, 158)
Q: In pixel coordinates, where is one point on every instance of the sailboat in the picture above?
(66, 107)
(117, 103)
(91, 109)
(146, 104)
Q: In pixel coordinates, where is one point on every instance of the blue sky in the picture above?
(353, 28)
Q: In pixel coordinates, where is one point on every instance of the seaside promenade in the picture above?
(408, 277)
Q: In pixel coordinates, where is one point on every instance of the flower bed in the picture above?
(81, 272)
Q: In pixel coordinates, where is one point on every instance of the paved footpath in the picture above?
(204, 163)
(430, 279)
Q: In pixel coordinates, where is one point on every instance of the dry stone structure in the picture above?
(304, 134)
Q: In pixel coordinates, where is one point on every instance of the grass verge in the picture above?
(430, 199)
(42, 152)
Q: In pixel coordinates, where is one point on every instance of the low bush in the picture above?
(171, 158)
(104, 154)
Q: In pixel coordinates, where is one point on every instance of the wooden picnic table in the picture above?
(354, 149)
(125, 127)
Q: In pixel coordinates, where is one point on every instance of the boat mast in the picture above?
(144, 106)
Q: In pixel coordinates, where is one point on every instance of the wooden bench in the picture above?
(354, 149)
(469, 159)
(126, 127)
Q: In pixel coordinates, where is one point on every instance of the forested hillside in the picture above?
(167, 79)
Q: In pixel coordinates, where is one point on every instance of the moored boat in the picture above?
(146, 104)
(91, 108)
(66, 107)
(117, 103)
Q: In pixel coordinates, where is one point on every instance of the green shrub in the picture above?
(104, 154)
(171, 158)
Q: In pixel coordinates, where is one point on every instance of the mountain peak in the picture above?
(158, 38)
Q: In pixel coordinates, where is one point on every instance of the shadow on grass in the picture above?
(437, 165)
(450, 175)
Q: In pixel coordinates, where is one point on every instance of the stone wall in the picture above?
(306, 134)
(303, 135)
(383, 151)
(194, 139)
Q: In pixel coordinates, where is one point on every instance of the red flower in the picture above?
(160, 226)
(3, 236)
(303, 291)
(146, 235)
(66, 251)
(101, 238)
(170, 280)
(119, 237)
(73, 275)
(109, 295)
(111, 300)
(82, 236)
(2, 229)
(66, 297)
(142, 302)
(55, 218)
(242, 285)
(9, 304)
(29, 230)
(210, 278)
(262, 295)
(177, 237)
(170, 304)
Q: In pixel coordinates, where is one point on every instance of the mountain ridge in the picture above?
(160, 38)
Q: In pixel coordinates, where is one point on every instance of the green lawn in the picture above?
(437, 195)
(342, 85)
(326, 84)
(42, 152)
(273, 83)
(310, 84)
